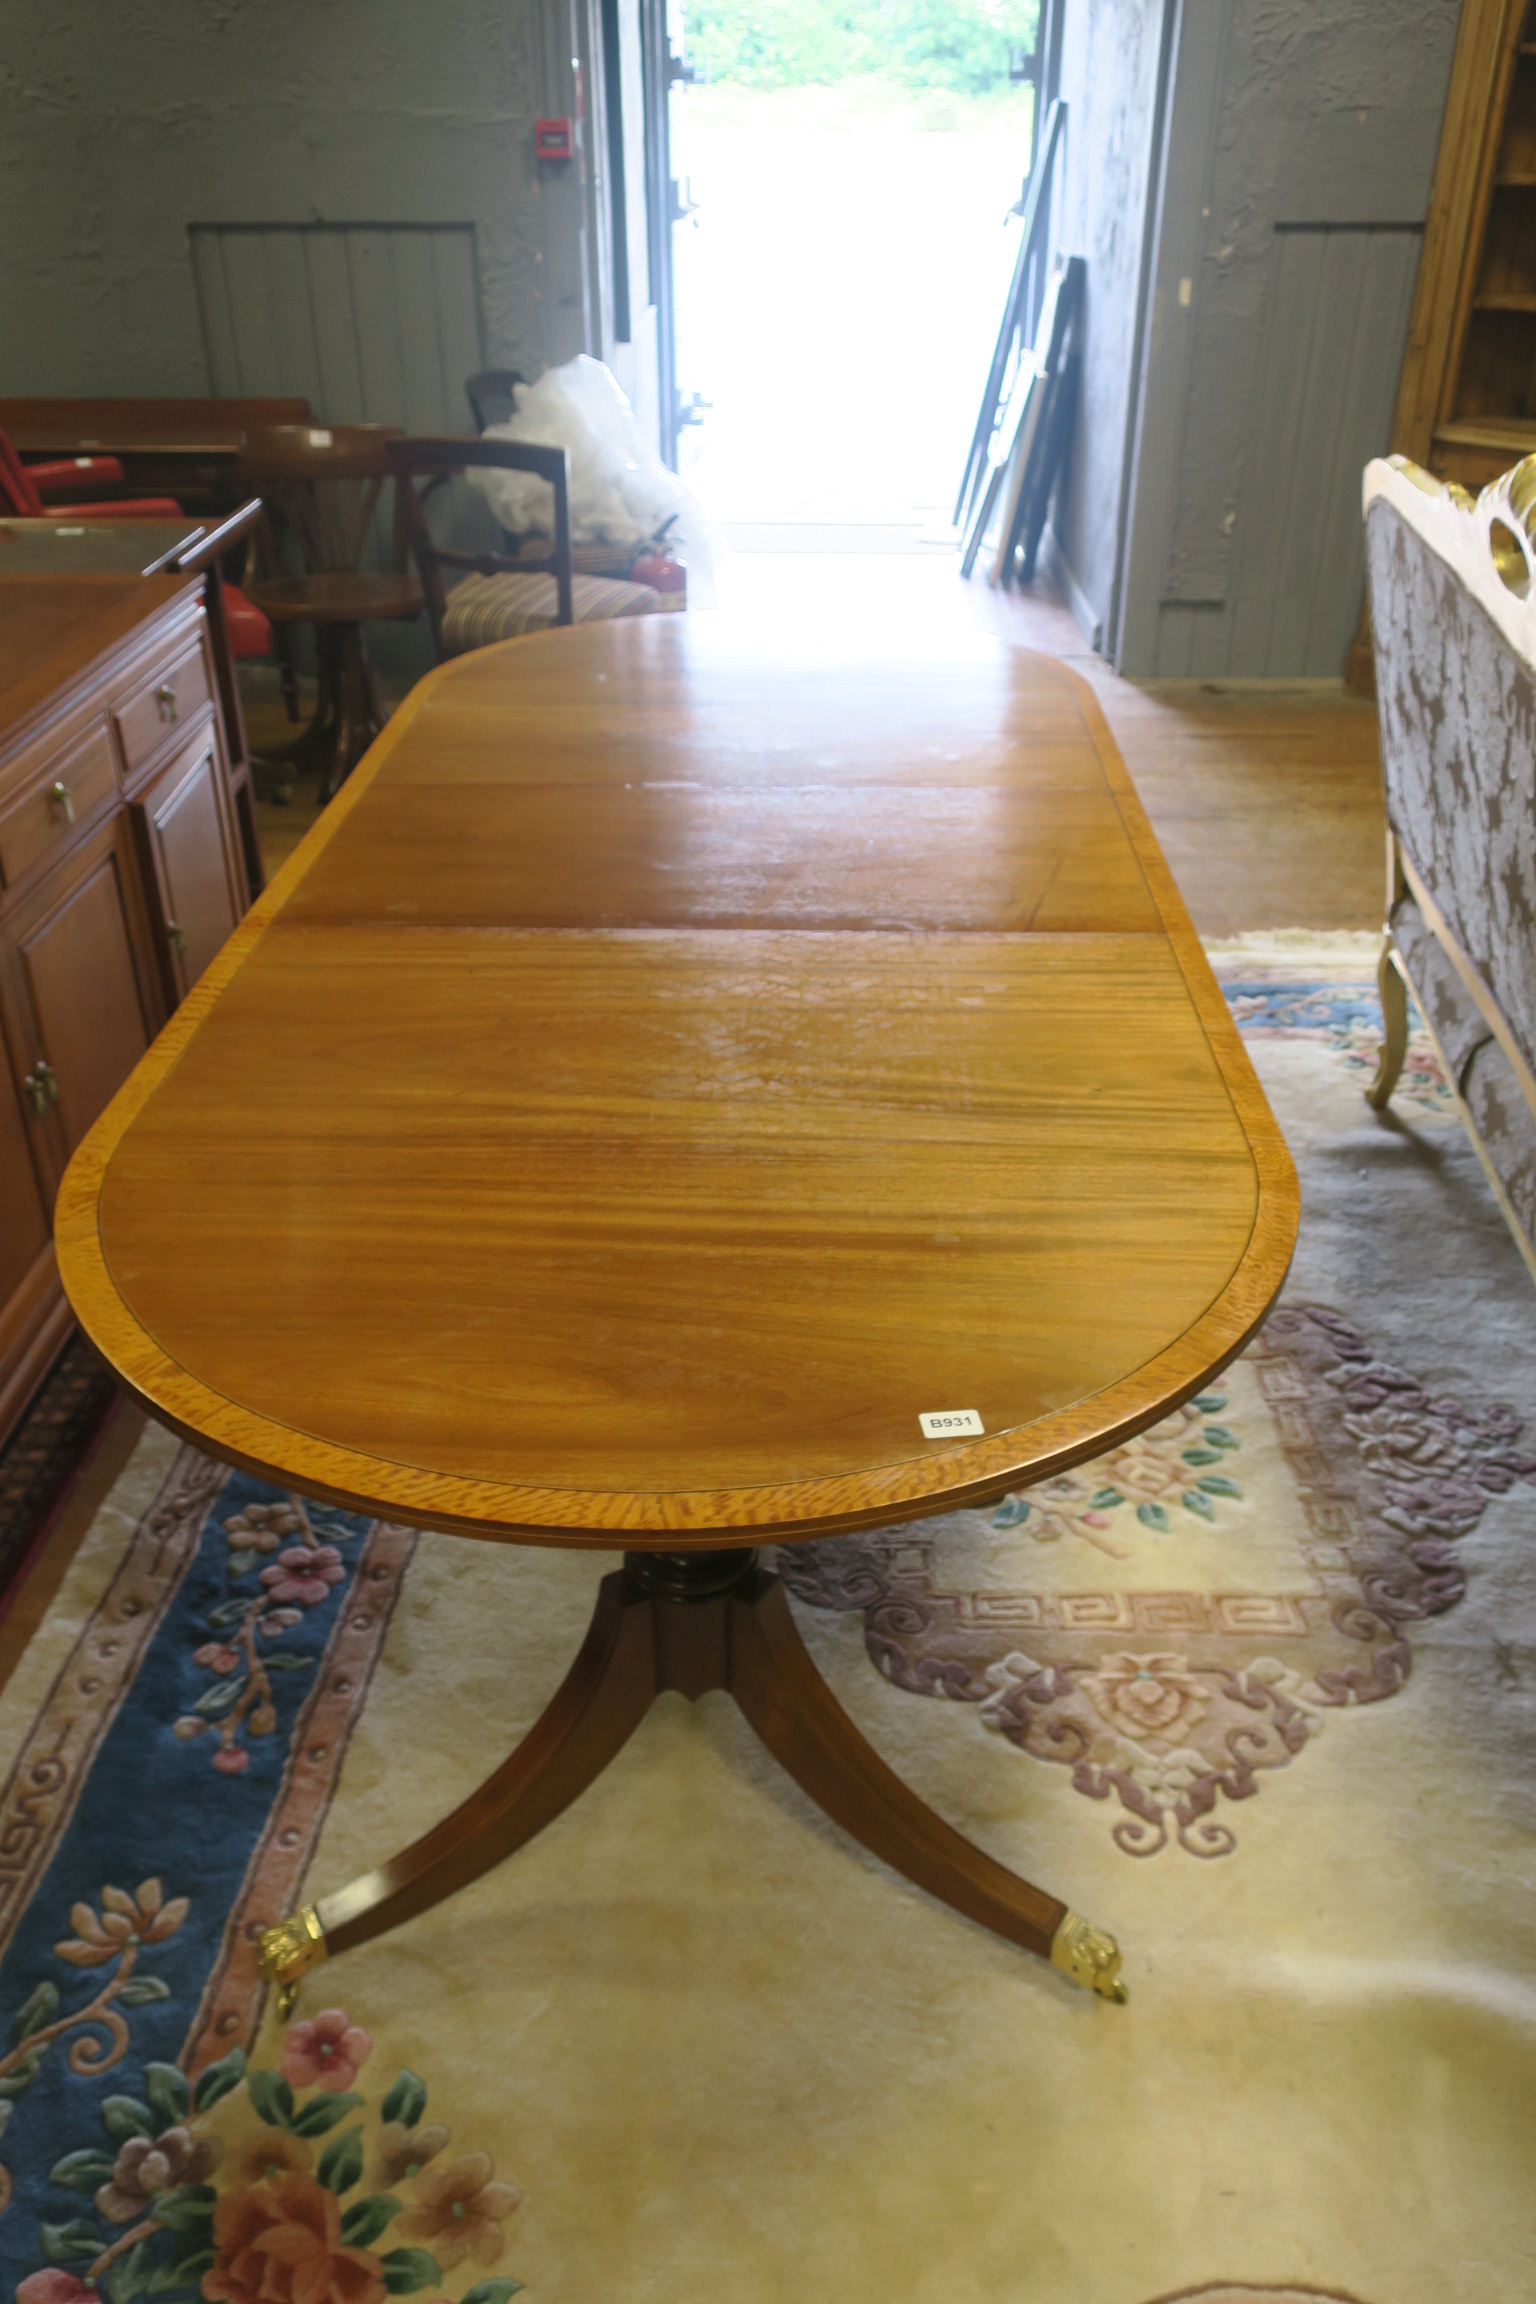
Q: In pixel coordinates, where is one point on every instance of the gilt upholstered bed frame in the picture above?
(1453, 606)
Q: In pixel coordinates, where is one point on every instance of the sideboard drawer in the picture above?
(64, 791)
(167, 699)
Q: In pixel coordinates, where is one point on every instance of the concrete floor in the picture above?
(1266, 798)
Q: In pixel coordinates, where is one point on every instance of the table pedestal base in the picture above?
(692, 1621)
(349, 714)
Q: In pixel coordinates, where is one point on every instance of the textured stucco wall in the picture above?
(1109, 61)
(1328, 112)
(120, 125)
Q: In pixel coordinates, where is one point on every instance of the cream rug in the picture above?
(1257, 1692)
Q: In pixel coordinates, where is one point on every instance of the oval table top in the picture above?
(682, 1057)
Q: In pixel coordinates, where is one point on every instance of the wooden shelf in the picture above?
(1517, 434)
(1522, 300)
(1516, 183)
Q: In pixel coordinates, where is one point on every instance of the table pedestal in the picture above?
(348, 715)
(692, 1621)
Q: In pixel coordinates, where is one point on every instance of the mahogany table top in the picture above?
(680, 1058)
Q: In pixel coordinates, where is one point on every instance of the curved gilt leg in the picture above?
(810, 1735)
(1394, 1010)
(596, 1709)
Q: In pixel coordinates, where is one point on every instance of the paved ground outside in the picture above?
(839, 292)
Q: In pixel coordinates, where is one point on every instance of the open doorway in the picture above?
(850, 166)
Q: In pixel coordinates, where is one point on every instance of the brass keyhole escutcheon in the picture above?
(165, 697)
(41, 1086)
(63, 799)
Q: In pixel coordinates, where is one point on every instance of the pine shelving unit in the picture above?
(1466, 400)
(1467, 404)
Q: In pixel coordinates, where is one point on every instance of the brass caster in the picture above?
(287, 1951)
(1089, 1956)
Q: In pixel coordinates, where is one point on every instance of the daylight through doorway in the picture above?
(851, 165)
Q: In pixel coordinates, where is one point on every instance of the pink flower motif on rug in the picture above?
(250, 1623)
(305, 1575)
(326, 2053)
(53, 2285)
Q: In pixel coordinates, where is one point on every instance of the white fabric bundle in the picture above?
(621, 492)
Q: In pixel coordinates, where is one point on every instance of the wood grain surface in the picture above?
(54, 628)
(680, 1057)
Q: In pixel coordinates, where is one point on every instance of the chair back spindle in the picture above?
(322, 487)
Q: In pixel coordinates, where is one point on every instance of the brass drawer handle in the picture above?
(62, 797)
(177, 937)
(165, 697)
(42, 1088)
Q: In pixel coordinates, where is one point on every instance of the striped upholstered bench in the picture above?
(502, 607)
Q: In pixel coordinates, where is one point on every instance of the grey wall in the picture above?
(121, 125)
(1298, 148)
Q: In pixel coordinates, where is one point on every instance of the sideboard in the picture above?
(120, 877)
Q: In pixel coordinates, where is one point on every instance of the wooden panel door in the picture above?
(90, 1018)
(192, 874)
(24, 1213)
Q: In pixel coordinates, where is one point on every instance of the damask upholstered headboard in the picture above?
(1453, 606)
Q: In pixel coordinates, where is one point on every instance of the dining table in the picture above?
(701, 1087)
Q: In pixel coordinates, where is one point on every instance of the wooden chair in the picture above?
(322, 487)
(500, 598)
(492, 395)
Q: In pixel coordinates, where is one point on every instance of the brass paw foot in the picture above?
(287, 1952)
(1089, 1956)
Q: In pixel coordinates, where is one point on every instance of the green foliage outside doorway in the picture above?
(961, 45)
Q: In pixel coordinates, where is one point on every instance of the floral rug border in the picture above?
(235, 1994)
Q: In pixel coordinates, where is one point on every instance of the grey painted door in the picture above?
(1336, 320)
(374, 323)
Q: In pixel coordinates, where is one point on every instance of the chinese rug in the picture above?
(1257, 1692)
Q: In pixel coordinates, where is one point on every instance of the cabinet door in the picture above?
(77, 960)
(188, 845)
(24, 1226)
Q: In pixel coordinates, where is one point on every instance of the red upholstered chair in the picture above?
(21, 496)
(22, 489)
(61, 473)
(250, 632)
